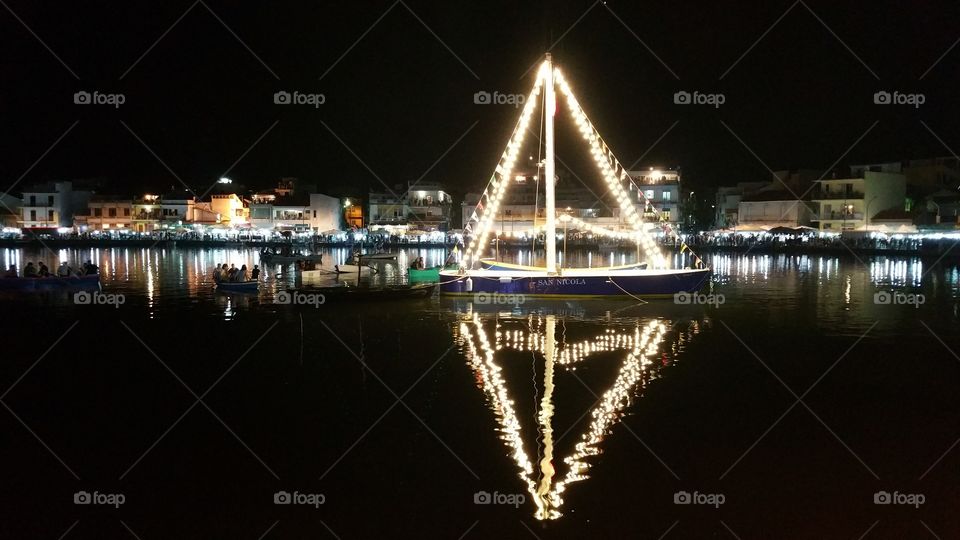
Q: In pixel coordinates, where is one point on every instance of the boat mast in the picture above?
(550, 107)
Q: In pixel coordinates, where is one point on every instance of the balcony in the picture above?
(838, 195)
(838, 216)
(146, 216)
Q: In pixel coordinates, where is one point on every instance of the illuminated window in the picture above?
(666, 195)
(648, 193)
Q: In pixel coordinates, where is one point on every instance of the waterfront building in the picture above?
(927, 174)
(230, 209)
(290, 211)
(422, 206)
(848, 204)
(660, 191)
(325, 213)
(106, 213)
(727, 204)
(764, 210)
(179, 208)
(10, 211)
(353, 213)
(147, 213)
(52, 205)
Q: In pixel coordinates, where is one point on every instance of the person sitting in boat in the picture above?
(11, 272)
(64, 270)
(90, 269)
(30, 270)
(232, 273)
(255, 274)
(224, 272)
(418, 264)
(43, 271)
(242, 274)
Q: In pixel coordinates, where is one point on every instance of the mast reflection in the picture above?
(648, 346)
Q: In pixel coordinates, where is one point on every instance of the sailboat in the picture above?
(657, 279)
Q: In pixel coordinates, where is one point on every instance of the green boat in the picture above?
(427, 274)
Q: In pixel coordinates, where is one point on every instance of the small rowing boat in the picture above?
(353, 269)
(238, 286)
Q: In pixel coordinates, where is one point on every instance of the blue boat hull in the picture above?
(238, 286)
(638, 283)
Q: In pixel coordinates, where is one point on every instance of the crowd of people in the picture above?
(41, 270)
(779, 241)
(232, 274)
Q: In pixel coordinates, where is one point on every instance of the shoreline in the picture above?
(935, 249)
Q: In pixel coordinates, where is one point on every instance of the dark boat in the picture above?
(238, 286)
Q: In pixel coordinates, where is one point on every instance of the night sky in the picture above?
(402, 96)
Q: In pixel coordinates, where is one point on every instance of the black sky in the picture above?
(401, 96)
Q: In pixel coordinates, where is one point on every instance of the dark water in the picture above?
(793, 403)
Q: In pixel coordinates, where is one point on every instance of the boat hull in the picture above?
(636, 283)
(238, 286)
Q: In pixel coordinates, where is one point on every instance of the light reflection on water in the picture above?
(636, 349)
